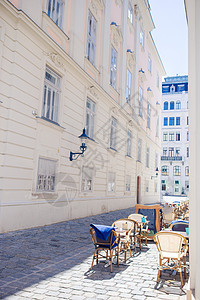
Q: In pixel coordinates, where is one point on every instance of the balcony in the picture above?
(171, 158)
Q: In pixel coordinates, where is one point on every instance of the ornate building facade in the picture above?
(66, 65)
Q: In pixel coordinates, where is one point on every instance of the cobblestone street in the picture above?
(52, 262)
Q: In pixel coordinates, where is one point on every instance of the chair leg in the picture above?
(111, 261)
(117, 257)
(93, 259)
(179, 263)
(185, 273)
(135, 244)
(97, 260)
(159, 271)
(129, 248)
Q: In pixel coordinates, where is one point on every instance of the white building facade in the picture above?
(80, 64)
(175, 136)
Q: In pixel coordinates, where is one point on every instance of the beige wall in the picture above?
(25, 136)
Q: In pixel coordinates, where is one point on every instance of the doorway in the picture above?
(138, 190)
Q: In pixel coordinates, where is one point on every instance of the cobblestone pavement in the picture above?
(52, 262)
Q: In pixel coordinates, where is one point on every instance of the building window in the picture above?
(165, 136)
(55, 11)
(149, 64)
(187, 135)
(139, 149)
(156, 187)
(181, 87)
(140, 101)
(128, 86)
(165, 89)
(87, 176)
(111, 182)
(172, 89)
(165, 105)
(178, 104)
(164, 151)
(171, 105)
(165, 121)
(131, 14)
(129, 138)
(147, 186)
(187, 151)
(91, 37)
(171, 121)
(171, 136)
(158, 80)
(156, 161)
(163, 185)
(187, 171)
(178, 151)
(148, 115)
(187, 185)
(128, 183)
(141, 37)
(157, 127)
(178, 121)
(90, 115)
(178, 136)
(113, 133)
(51, 95)
(171, 151)
(147, 158)
(187, 120)
(165, 171)
(177, 171)
(113, 68)
(46, 175)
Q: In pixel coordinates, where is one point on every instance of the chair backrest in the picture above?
(153, 215)
(179, 225)
(102, 243)
(168, 214)
(168, 241)
(124, 223)
(136, 217)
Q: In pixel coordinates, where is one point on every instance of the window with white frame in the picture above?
(187, 171)
(55, 10)
(87, 178)
(165, 151)
(131, 13)
(113, 68)
(187, 185)
(163, 185)
(187, 135)
(46, 175)
(90, 117)
(129, 138)
(148, 115)
(178, 136)
(165, 171)
(147, 158)
(165, 136)
(91, 37)
(111, 182)
(140, 101)
(171, 136)
(178, 150)
(178, 104)
(139, 150)
(187, 151)
(128, 86)
(149, 63)
(51, 95)
(113, 133)
(141, 37)
(177, 170)
(128, 183)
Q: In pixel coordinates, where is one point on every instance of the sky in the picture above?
(170, 35)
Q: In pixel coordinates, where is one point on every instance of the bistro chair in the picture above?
(106, 242)
(143, 227)
(172, 248)
(168, 216)
(125, 227)
(179, 225)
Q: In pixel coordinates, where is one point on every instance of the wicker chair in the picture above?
(168, 216)
(172, 247)
(128, 227)
(110, 247)
(143, 227)
(179, 225)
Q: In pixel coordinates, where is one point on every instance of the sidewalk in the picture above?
(52, 262)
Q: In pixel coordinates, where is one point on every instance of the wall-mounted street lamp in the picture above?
(156, 174)
(83, 147)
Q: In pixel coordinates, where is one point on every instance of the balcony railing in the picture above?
(171, 158)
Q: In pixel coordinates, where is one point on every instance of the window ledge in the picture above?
(129, 156)
(91, 64)
(45, 195)
(112, 150)
(49, 123)
(55, 26)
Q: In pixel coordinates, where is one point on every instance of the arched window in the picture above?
(177, 171)
(187, 171)
(172, 105)
(165, 105)
(165, 170)
(178, 104)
